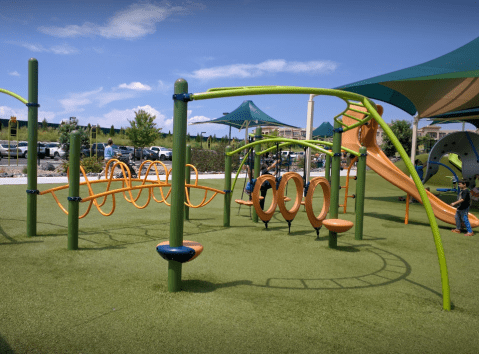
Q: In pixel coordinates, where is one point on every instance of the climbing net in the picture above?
(132, 188)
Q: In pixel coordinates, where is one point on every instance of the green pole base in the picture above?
(174, 276)
(333, 240)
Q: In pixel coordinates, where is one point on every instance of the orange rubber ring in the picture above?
(289, 215)
(317, 222)
(265, 216)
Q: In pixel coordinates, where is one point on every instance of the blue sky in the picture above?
(101, 61)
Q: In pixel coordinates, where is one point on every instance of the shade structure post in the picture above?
(414, 138)
(180, 108)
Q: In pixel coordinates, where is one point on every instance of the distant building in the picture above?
(433, 131)
(286, 132)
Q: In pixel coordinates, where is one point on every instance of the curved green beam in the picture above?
(446, 298)
(372, 113)
(18, 97)
(350, 98)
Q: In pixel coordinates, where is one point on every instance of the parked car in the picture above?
(11, 150)
(97, 148)
(42, 150)
(127, 151)
(163, 153)
(23, 147)
(56, 150)
(147, 154)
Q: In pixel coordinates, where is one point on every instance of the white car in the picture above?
(23, 150)
(163, 153)
(56, 150)
(23, 147)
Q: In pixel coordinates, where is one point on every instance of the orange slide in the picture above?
(380, 164)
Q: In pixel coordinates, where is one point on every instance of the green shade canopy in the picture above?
(446, 84)
(468, 115)
(324, 130)
(247, 115)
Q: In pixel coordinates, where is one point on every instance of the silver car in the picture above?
(11, 151)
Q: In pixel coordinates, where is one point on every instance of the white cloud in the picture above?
(266, 67)
(22, 114)
(14, 73)
(63, 49)
(108, 97)
(120, 118)
(7, 112)
(163, 87)
(136, 21)
(197, 119)
(136, 86)
(74, 102)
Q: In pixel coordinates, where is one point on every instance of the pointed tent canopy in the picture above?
(443, 85)
(246, 116)
(325, 129)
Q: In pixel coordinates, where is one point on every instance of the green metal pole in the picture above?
(32, 147)
(74, 190)
(187, 178)
(227, 204)
(257, 165)
(360, 192)
(335, 174)
(177, 182)
(327, 168)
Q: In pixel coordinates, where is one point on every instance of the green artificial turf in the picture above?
(252, 290)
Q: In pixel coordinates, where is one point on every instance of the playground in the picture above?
(371, 280)
(252, 289)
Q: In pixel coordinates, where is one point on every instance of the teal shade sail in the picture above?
(443, 85)
(324, 130)
(246, 115)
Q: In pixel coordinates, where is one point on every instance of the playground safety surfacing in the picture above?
(253, 290)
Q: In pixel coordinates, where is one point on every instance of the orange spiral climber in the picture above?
(128, 187)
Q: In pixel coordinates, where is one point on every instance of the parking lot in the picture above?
(55, 162)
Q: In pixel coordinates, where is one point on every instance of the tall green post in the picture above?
(32, 147)
(327, 168)
(180, 107)
(74, 190)
(228, 192)
(360, 192)
(335, 174)
(187, 178)
(257, 165)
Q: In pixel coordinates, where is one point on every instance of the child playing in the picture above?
(464, 201)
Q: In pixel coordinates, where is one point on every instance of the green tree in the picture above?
(66, 127)
(143, 130)
(44, 124)
(112, 130)
(426, 141)
(403, 131)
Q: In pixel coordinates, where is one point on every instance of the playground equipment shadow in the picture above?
(252, 290)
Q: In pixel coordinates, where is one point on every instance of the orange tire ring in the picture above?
(317, 222)
(265, 216)
(289, 215)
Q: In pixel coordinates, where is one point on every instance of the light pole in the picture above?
(201, 139)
